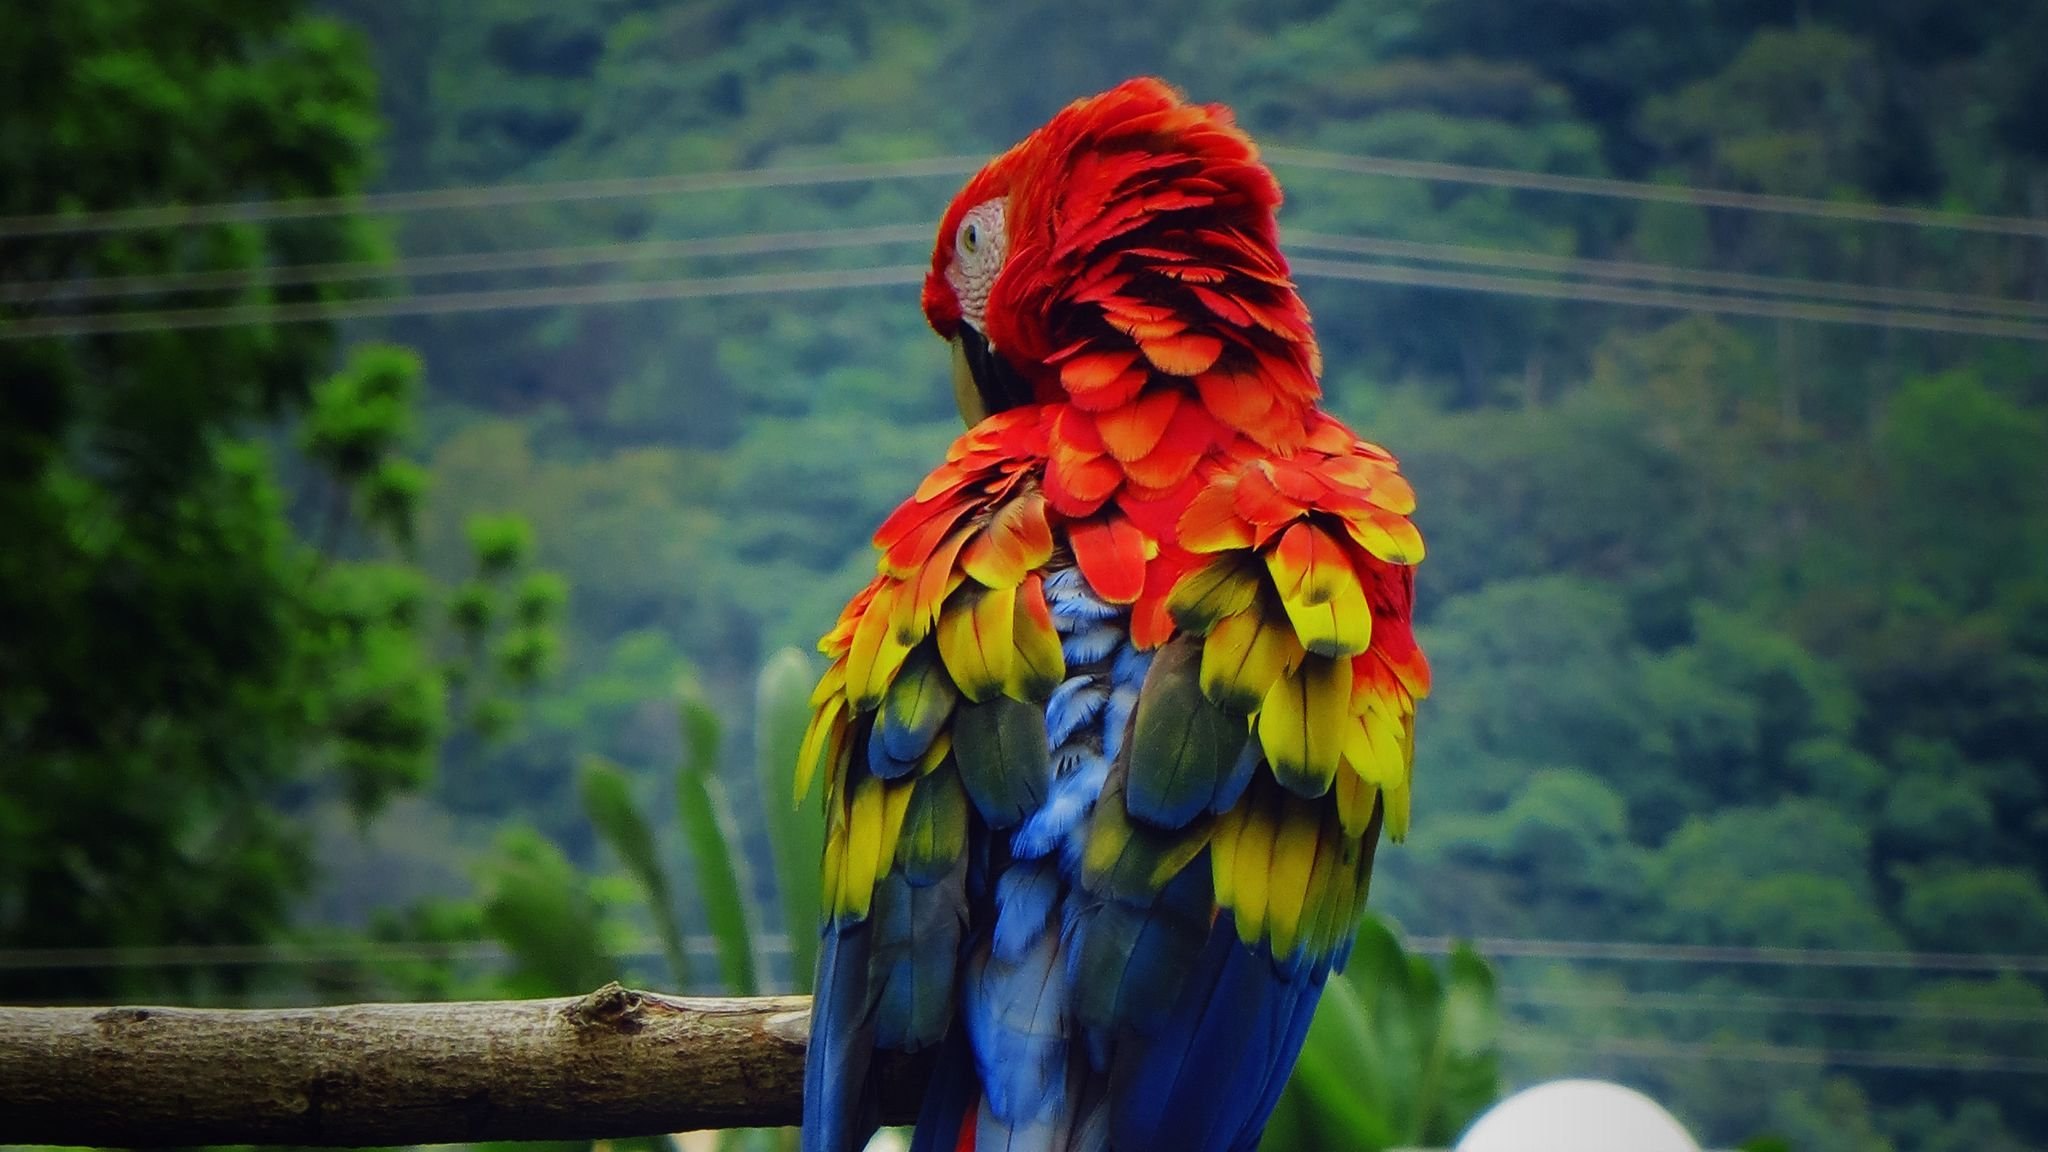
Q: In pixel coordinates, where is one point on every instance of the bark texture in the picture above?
(616, 1062)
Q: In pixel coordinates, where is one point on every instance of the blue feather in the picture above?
(1127, 679)
(882, 746)
(1073, 704)
(1287, 1050)
(839, 1106)
(1073, 605)
(1232, 786)
(1130, 668)
(1025, 897)
(1017, 1022)
(916, 951)
(950, 1095)
(1073, 797)
(1093, 645)
(1202, 1082)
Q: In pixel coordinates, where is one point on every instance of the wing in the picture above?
(1228, 861)
(929, 726)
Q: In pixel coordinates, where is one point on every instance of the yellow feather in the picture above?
(1373, 746)
(832, 866)
(895, 802)
(906, 623)
(1294, 858)
(1225, 588)
(831, 684)
(1190, 845)
(1108, 833)
(1391, 538)
(876, 653)
(1037, 665)
(1355, 800)
(1242, 658)
(1397, 812)
(1303, 723)
(977, 640)
(1254, 866)
(863, 848)
(812, 750)
(1320, 591)
(1223, 855)
(1320, 908)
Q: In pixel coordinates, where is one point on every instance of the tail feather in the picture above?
(1205, 1081)
(952, 1100)
(840, 1110)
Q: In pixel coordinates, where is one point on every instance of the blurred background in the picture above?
(403, 542)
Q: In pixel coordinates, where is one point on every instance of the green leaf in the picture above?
(714, 843)
(538, 906)
(796, 830)
(608, 798)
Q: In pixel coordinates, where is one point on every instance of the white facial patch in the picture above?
(978, 248)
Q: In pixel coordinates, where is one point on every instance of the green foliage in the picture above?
(713, 837)
(360, 415)
(1399, 1055)
(543, 910)
(501, 544)
(796, 827)
(608, 801)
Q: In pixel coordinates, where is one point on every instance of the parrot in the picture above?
(1109, 740)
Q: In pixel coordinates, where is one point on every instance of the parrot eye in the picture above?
(978, 244)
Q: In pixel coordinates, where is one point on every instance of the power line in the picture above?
(591, 255)
(1625, 271)
(508, 299)
(566, 191)
(1874, 1008)
(1729, 305)
(1631, 951)
(478, 196)
(517, 260)
(1782, 1054)
(453, 303)
(1642, 190)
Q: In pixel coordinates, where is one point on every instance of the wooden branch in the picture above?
(614, 1063)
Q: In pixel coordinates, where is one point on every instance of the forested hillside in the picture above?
(1737, 590)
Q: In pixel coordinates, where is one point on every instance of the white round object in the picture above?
(1577, 1116)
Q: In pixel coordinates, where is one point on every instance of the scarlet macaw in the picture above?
(1109, 740)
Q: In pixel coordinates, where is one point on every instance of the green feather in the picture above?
(934, 835)
(1224, 588)
(917, 704)
(1182, 745)
(1004, 759)
(1130, 860)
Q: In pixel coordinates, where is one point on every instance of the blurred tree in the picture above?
(192, 640)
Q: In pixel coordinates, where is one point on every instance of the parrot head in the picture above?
(1125, 249)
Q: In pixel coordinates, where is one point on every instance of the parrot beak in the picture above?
(983, 382)
(966, 393)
